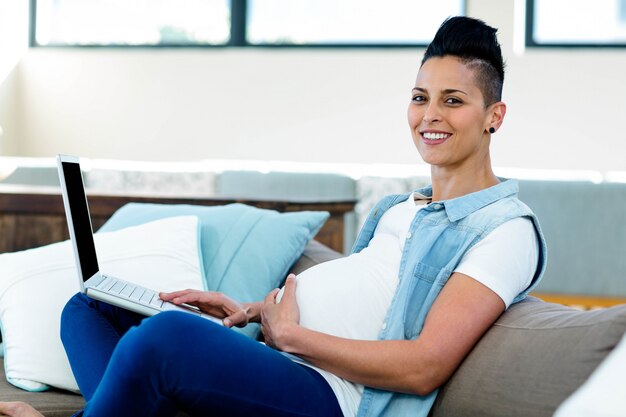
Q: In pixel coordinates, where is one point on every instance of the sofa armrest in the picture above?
(531, 360)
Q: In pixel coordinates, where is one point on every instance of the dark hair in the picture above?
(476, 45)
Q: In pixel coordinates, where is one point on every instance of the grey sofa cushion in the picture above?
(286, 185)
(531, 360)
(314, 253)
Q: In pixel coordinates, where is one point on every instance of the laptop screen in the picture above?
(79, 213)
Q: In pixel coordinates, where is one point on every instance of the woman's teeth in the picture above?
(435, 136)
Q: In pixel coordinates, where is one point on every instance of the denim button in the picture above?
(408, 235)
(384, 325)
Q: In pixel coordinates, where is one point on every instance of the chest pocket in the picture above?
(426, 283)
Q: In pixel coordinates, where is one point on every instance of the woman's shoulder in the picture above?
(509, 204)
(500, 212)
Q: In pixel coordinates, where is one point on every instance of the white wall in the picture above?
(566, 107)
(13, 44)
(8, 117)
(191, 104)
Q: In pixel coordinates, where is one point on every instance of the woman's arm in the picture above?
(460, 315)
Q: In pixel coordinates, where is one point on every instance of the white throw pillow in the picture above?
(36, 284)
(604, 393)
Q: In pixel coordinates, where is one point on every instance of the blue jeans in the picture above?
(129, 365)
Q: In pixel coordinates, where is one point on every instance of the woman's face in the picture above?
(447, 115)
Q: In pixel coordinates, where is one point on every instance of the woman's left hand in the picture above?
(18, 409)
(278, 318)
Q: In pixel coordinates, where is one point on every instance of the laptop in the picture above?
(92, 281)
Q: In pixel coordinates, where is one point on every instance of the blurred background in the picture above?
(319, 82)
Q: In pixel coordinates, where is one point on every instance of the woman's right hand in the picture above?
(216, 304)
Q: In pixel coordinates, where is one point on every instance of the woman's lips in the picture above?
(434, 138)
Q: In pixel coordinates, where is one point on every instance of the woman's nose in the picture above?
(431, 113)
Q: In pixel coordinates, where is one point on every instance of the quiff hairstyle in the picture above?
(475, 44)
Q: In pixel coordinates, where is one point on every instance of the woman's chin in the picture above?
(431, 158)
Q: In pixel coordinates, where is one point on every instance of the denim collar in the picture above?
(460, 207)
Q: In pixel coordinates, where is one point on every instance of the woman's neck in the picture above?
(453, 183)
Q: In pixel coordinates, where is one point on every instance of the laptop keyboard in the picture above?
(131, 291)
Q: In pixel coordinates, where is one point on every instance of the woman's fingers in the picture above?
(195, 297)
(290, 287)
(276, 318)
(18, 409)
(271, 297)
(214, 303)
(239, 318)
(167, 296)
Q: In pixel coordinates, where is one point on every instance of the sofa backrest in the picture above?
(585, 228)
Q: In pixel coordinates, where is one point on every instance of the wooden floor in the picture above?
(583, 302)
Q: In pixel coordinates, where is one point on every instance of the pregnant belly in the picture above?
(347, 297)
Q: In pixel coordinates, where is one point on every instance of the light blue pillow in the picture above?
(246, 251)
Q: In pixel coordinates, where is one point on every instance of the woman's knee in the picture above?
(78, 300)
(71, 312)
(154, 339)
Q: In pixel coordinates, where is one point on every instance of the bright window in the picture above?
(131, 22)
(238, 22)
(347, 22)
(576, 23)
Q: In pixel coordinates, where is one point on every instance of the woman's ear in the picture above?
(497, 111)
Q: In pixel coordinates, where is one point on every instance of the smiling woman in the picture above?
(373, 334)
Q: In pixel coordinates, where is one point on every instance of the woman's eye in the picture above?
(452, 100)
(418, 99)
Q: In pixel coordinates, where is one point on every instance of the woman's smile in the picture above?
(434, 137)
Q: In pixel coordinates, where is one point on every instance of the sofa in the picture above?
(534, 357)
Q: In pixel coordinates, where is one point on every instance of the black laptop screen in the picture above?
(80, 218)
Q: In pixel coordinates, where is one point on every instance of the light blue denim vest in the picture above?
(439, 236)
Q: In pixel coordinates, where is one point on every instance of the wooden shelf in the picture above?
(34, 216)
